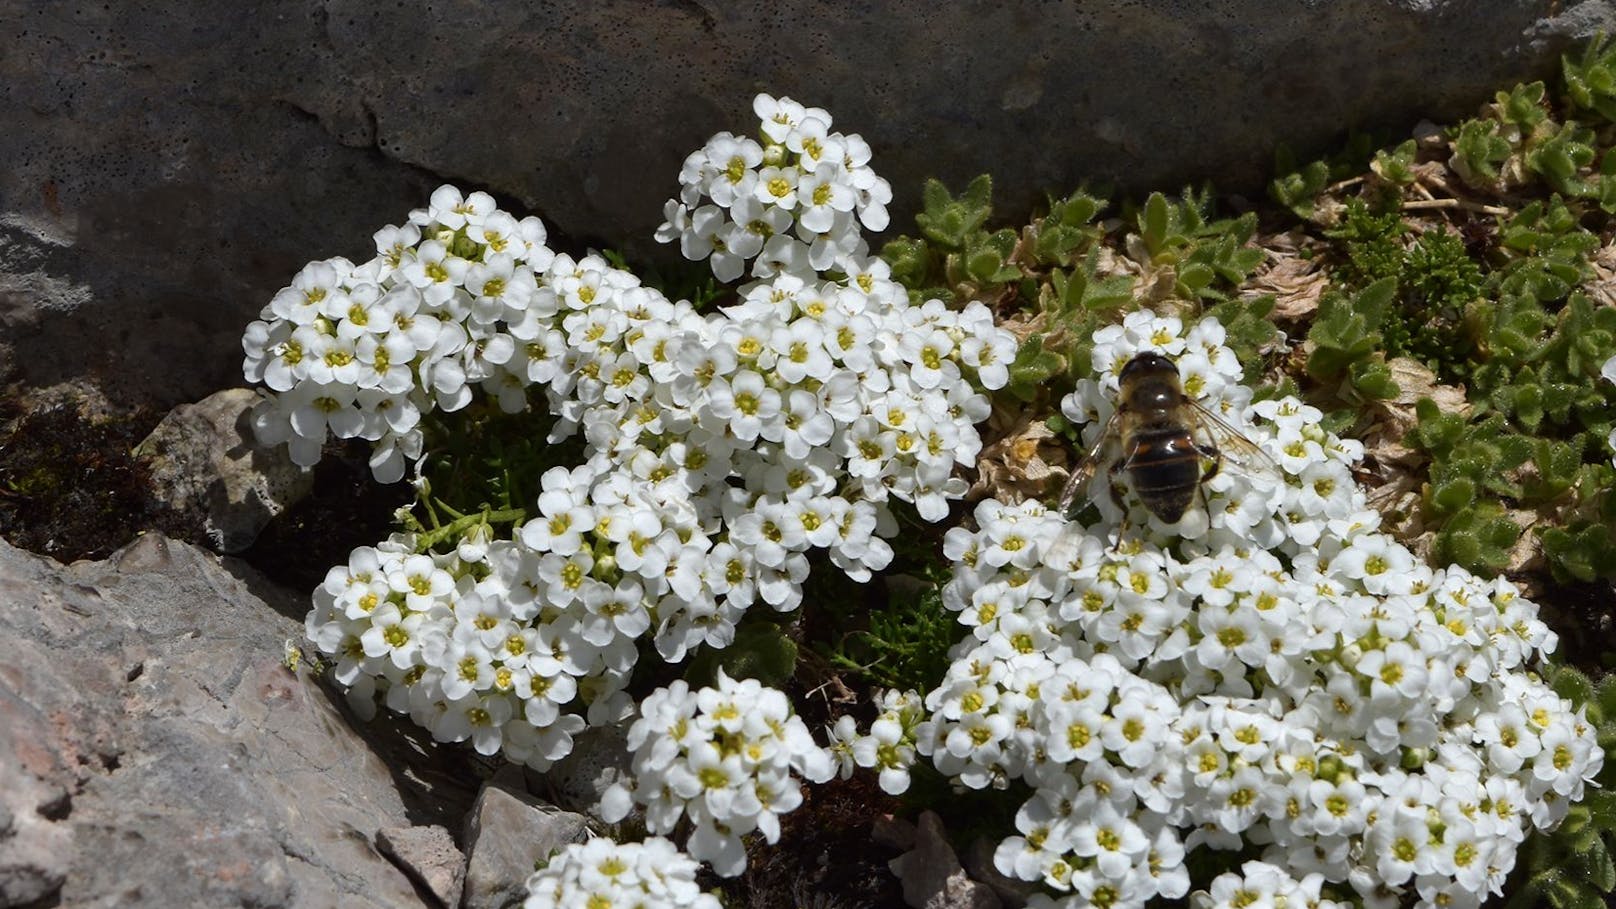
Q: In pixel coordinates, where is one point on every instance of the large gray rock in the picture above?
(206, 462)
(168, 167)
(155, 751)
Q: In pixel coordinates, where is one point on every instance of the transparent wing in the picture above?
(1071, 497)
(1232, 444)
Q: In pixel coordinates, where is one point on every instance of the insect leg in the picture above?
(1112, 473)
(1215, 456)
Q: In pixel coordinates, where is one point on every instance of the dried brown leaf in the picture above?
(1415, 381)
(1296, 284)
(1022, 462)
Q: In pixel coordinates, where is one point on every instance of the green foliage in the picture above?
(951, 222)
(761, 650)
(1348, 339)
(1247, 329)
(1490, 297)
(1208, 256)
(1297, 186)
(1522, 107)
(1435, 283)
(1052, 275)
(1572, 867)
(1373, 242)
(955, 257)
(1479, 151)
(1590, 81)
(1396, 165)
(906, 640)
(1546, 250)
(1035, 365)
(1562, 157)
(488, 473)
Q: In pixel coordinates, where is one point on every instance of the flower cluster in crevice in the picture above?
(720, 450)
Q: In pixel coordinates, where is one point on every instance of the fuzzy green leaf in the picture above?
(1396, 165)
(1573, 684)
(948, 221)
(1453, 495)
(1601, 870)
(761, 650)
(1373, 379)
(1590, 81)
(1297, 187)
(1033, 367)
(1584, 551)
(1478, 151)
(910, 260)
(1348, 329)
(1153, 222)
(1523, 105)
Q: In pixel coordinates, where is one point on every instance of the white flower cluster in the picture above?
(1279, 674)
(723, 757)
(363, 351)
(792, 202)
(601, 873)
(465, 644)
(1262, 884)
(1609, 372)
(721, 448)
(889, 746)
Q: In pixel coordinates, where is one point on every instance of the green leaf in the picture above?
(1154, 223)
(1194, 277)
(948, 221)
(910, 260)
(1590, 81)
(1033, 367)
(1584, 551)
(1573, 684)
(1347, 329)
(1601, 870)
(1452, 496)
(1570, 894)
(1523, 105)
(1396, 165)
(1478, 151)
(761, 650)
(1297, 187)
(1373, 379)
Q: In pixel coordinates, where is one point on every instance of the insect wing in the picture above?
(1232, 444)
(1071, 495)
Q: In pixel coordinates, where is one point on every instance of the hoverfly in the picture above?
(1157, 425)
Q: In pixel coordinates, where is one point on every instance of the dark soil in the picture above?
(70, 489)
(347, 509)
(825, 858)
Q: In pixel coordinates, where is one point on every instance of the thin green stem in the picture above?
(464, 522)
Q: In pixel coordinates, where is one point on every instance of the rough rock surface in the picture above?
(507, 832)
(155, 751)
(932, 876)
(205, 460)
(429, 855)
(170, 168)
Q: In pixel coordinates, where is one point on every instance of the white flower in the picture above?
(601, 873)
